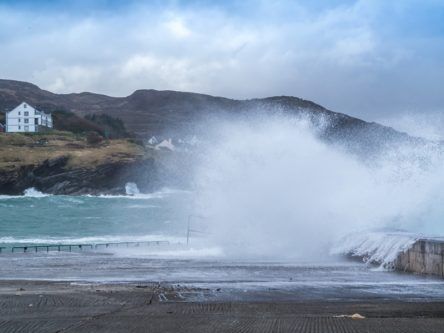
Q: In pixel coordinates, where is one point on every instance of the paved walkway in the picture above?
(57, 307)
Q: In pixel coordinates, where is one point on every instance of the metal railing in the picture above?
(80, 247)
(190, 229)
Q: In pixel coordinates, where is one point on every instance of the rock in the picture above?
(53, 177)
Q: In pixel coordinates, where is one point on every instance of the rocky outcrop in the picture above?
(54, 177)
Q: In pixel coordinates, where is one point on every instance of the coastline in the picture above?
(43, 306)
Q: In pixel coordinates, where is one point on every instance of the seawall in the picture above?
(426, 256)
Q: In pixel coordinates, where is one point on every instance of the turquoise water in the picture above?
(39, 219)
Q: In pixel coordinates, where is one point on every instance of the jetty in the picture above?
(79, 247)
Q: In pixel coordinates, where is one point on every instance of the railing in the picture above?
(80, 247)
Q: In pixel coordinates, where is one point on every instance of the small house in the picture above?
(153, 141)
(27, 119)
(166, 144)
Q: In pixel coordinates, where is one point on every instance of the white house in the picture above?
(166, 144)
(25, 118)
(153, 141)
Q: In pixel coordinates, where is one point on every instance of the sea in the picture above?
(185, 258)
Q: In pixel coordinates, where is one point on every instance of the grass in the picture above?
(18, 150)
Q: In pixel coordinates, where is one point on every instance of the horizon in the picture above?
(368, 59)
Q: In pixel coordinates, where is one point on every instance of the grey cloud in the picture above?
(337, 57)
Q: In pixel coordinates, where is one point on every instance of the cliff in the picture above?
(62, 163)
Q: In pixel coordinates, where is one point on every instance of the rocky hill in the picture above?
(152, 112)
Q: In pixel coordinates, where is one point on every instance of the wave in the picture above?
(375, 247)
(132, 189)
(33, 193)
(165, 192)
(28, 193)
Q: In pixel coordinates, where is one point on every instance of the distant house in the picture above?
(153, 140)
(166, 144)
(25, 118)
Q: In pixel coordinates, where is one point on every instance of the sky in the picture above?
(375, 59)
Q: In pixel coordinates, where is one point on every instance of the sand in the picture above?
(33, 306)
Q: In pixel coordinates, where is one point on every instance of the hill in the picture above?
(152, 112)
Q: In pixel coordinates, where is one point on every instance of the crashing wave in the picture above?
(131, 189)
(375, 247)
(33, 193)
(28, 193)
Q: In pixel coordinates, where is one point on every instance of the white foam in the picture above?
(28, 193)
(131, 189)
(33, 193)
(8, 197)
(375, 247)
(165, 192)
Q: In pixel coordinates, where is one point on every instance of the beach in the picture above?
(42, 306)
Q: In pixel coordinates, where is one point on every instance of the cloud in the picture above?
(359, 57)
(178, 28)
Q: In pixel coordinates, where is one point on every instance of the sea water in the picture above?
(44, 219)
(36, 218)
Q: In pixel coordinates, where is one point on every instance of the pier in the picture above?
(79, 247)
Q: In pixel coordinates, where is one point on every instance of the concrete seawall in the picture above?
(424, 257)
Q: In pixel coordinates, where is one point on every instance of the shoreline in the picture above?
(43, 306)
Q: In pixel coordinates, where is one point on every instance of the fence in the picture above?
(80, 247)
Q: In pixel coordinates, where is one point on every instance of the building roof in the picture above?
(37, 110)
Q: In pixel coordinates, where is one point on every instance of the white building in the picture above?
(166, 144)
(153, 141)
(25, 118)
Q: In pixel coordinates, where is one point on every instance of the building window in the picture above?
(26, 128)
(20, 127)
(24, 105)
(20, 120)
(20, 113)
(26, 121)
(26, 113)
(36, 121)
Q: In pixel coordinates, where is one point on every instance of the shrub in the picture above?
(93, 138)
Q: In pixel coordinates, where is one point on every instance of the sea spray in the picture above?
(380, 248)
(272, 189)
(32, 192)
(131, 189)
